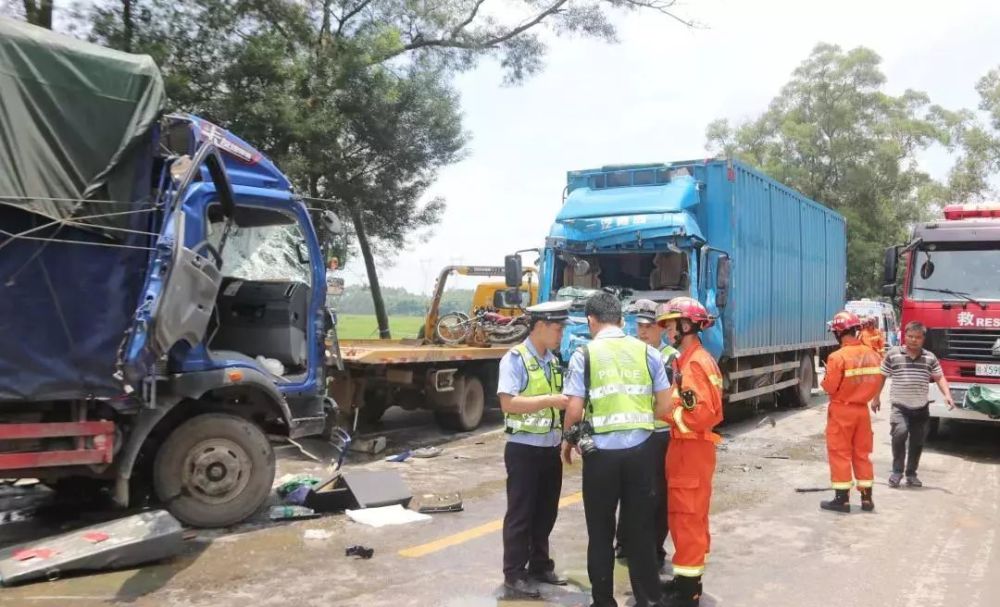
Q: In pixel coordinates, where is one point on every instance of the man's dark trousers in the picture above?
(661, 441)
(534, 480)
(906, 423)
(626, 477)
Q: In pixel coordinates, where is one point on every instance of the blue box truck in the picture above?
(162, 290)
(768, 262)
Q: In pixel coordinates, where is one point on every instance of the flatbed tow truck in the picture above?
(455, 381)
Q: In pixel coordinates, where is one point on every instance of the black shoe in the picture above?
(520, 587)
(913, 481)
(548, 577)
(840, 503)
(684, 592)
(894, 479)
(867, 504)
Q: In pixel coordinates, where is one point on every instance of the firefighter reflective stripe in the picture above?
(688, 571)
(610, 389)
(679, 420)
(622, 418)
(716, 380)
(865, 484)
(862, 371)
(846, 485)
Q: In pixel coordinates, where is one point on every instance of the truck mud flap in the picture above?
(121, 543)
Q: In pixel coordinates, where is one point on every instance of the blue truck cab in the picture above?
(162, 290)
(767, 262)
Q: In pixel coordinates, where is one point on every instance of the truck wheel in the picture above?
(799, 394)
(214, 470)
(471, 401)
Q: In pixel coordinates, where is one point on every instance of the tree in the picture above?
(352, 98)
(834, 134)
(979, 145)
(38, 12)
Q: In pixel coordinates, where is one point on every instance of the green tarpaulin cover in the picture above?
(70, 113)
(983, 399)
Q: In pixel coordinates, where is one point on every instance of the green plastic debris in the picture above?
(983, 399)
(301, 480)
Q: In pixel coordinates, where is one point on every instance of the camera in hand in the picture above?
(581, 434)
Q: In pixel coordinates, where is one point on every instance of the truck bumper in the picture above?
(939, 409)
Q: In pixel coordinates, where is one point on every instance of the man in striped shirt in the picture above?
(912, 369)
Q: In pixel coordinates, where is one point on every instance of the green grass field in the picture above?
(363, 326)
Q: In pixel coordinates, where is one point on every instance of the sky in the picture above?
(650, 97)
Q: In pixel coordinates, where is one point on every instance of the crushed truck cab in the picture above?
(163, 293)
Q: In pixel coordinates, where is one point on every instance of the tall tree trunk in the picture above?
(127, 25)
(366, 252)
(38, 13)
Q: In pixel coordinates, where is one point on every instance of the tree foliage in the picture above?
(836, 135)
(352, 98)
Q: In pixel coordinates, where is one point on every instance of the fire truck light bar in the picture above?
(970, 211)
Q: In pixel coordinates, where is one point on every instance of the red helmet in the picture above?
(687, 308)
(844, 321)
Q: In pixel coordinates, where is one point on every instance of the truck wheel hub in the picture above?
(217, 470)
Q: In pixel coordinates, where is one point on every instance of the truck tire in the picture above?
(214, 470)
(470, 402)
(798, 395)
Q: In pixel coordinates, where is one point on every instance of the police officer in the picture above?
(529, 387)
(651, 333)
(618, 385)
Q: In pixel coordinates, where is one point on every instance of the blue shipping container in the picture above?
(788, 253)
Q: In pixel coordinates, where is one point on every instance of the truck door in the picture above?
(182, 281)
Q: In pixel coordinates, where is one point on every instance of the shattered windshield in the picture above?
(263, 252)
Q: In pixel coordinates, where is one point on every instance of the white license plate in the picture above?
(988, 370)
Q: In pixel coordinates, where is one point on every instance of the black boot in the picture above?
(684, 592)
(866, 499)
(840, 502)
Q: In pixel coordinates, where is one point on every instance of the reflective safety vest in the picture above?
(539, 422)
(669, 353)
(619, 385)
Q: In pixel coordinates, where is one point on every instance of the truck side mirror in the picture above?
(513, 273)
(722, 271)
(889, 265)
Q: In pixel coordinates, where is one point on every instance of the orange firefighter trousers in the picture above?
(849, 444)
(690, 467)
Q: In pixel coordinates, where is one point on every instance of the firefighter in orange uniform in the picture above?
(871, 336)
(852, 380)
(696, 409)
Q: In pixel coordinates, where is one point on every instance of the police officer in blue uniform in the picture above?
(530, 392)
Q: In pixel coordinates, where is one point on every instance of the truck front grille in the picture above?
(963, 344)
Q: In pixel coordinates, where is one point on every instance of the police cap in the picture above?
(550, 311)
(644, 310)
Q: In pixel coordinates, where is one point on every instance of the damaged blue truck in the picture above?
(162, 290)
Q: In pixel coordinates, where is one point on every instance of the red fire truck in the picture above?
(952, 285)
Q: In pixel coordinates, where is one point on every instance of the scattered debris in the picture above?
(304, 451)
(317, 534)
(386, 515)
(777, 457)
(290, 484)
(767, 420)
(745, 468)
(284, 513)
(432, 503)
(399, 457)
(373, 446)
(121, 543)
(811, 489)
(759, 467)
(427, 452)
(360, 552)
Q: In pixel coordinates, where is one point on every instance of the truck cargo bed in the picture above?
(402, 351)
